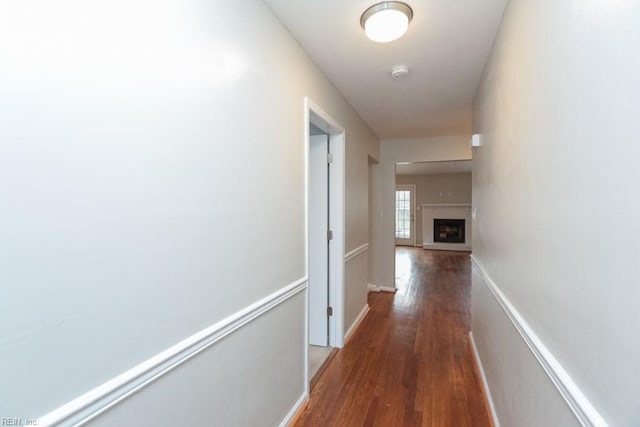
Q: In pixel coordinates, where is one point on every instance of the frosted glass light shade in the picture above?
(386, 21)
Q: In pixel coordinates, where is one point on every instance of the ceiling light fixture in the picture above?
(386, 21)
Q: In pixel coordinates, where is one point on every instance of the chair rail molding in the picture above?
(98, 400)
(357, 251)
(582, 408)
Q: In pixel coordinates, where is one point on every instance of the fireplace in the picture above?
(448, 230)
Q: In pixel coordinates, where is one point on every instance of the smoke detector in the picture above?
(399, 72)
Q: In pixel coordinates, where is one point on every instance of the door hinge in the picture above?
(329, 235)
(329, 158)
(329, 311)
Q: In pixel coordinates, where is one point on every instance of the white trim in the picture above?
(305, 349)
(306, 243)
(584, 411)
(96, 401)
(337, 220)
(445, 205)
(373, 288)
(295, 408)
(485, 384)
(376, 288)
(321, 119)
(316, 115)
(357, 251)
(356, 323)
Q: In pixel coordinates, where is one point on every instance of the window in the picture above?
(403, 214)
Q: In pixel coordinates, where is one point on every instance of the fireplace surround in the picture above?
(447, 211)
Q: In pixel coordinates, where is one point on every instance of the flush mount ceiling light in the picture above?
(386, 21)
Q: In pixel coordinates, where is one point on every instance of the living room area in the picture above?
(433, 205)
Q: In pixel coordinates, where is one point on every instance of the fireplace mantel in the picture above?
(446, 205)
(445, 211)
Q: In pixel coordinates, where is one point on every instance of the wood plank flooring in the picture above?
(410, 362)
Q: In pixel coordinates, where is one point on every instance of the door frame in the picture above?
(412, 218)
(316, 115)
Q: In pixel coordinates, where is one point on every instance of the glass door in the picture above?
(405, 215)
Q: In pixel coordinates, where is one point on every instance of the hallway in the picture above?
(410, 362)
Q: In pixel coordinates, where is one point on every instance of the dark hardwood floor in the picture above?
(410, 362)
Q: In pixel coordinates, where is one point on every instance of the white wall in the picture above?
(409, 150)
(126, 225)
(553, 187)
(357, 221)
(437, 188)
(374, 217)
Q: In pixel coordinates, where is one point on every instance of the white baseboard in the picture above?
(294, 410)
(356, 323)
(376, 288)
(100, 399)
(582, 408)
(373, 288)
(485, 384)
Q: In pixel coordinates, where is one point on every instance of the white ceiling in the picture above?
(433, 168)
(446, 47)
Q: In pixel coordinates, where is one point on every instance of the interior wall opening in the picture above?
(325, 236)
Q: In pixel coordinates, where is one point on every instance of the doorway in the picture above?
(405, 206)
(319, 236)
(442, 203)
(324, 148)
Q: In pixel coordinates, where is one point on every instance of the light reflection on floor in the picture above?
(404, 297)
(404, 268)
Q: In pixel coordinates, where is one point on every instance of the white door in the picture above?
(405, 215)
(318, 240)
